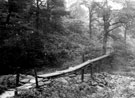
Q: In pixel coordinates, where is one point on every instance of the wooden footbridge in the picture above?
(71, 70)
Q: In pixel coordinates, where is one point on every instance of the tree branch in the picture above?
(114, 28)
(116, 23)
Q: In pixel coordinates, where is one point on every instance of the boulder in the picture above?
(63, 80)
(34, 81)
(25, 80)
(25, 86)
(47, 82)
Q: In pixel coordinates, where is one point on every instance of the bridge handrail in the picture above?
(72, 69)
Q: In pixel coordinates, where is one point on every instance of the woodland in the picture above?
(52, 35)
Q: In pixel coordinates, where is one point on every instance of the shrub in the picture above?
(2, 89)
(59, 90)
(29, 94)
(8, 81)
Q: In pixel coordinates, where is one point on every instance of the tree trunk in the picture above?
(48, 11)
(9, 12)
(8, 18)
(37, 15)
(106, 31)
(105, 42)
(90, 23)
(125, 37)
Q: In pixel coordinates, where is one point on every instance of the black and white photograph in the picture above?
(67, 48)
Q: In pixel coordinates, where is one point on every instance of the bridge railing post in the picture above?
(82, 71)
(36, 78)
(91, 71)
(82, 75)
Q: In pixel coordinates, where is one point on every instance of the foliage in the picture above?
(8, 81)
(102, 86)
(59, 90)
(2, 89)
(30, 94)
(38, 33)
(23, 39)
(122, 56)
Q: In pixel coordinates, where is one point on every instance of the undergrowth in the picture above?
(6, 82)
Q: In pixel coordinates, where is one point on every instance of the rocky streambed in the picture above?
(102, 85)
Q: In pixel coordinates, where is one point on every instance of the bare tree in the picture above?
(126, 17)
(91, 5)
(109, 22)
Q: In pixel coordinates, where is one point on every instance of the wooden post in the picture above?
(82, 72)
(82, 76)
(99, 66)
(36, 78)
(91, 71)
(17, 81)
(110, 62)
